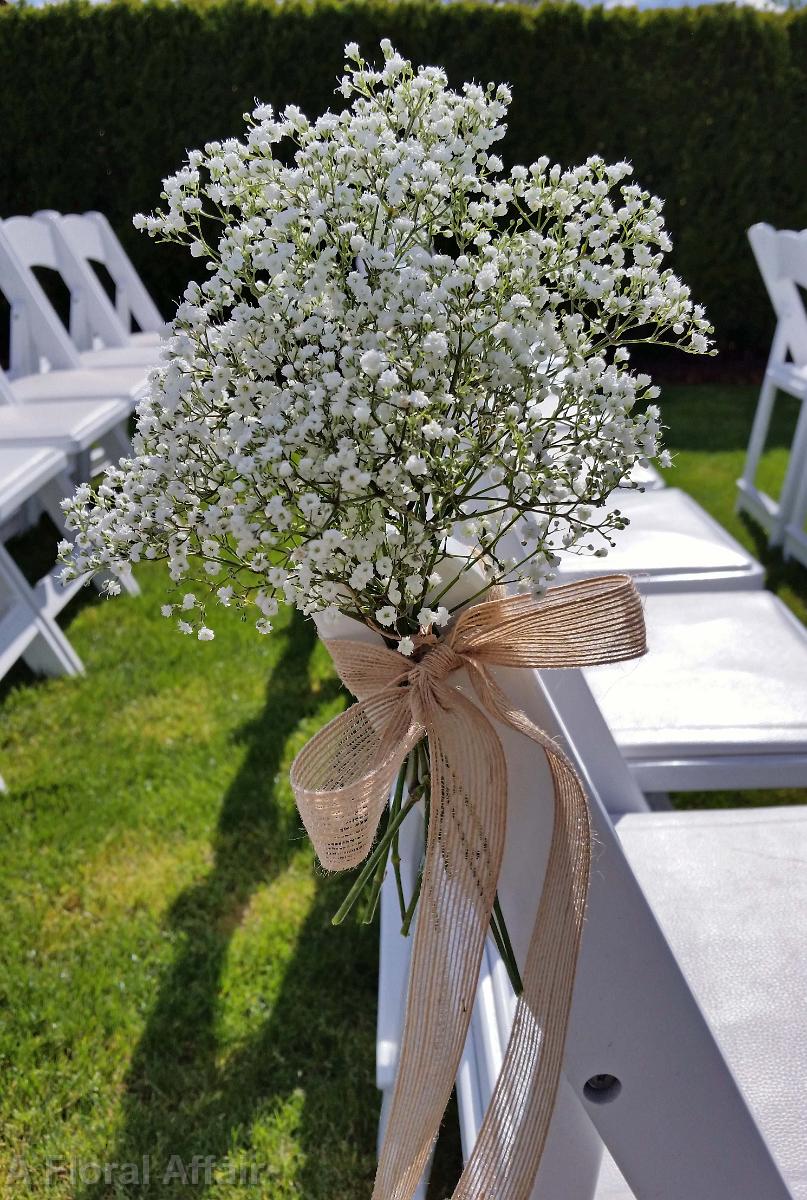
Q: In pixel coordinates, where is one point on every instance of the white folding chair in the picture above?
(671, 544)
(28, 627)
(644, 1073)
(74, 428)
(132, 300)
(84, 241)
(782, 260)
(719, 702)
(38, 337)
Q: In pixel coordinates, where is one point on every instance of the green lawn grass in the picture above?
(170, 983)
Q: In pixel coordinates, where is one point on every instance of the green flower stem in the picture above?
(375, 889)
(394, 809)
(416, 771)
(407, 769)
(413, 903)
(501, 937)
(372, 862)
(424, 780)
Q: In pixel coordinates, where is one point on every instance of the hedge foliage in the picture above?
(99, 102)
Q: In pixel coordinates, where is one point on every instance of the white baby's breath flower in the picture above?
(205, 634)
(416, 465)
(343, 393)
(406, 646)
(372, 363)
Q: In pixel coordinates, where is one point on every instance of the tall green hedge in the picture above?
(98, 103)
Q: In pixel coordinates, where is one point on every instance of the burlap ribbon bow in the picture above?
(341, 780)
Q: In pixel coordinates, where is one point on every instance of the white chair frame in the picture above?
(81, 239)
(37, 337)
(672, 544)
(681, 716)
(633, 1017)
(37, 243)
(28, 627)
(794, 544)
(39, 341)
(781, 256)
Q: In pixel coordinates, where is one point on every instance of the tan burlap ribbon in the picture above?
(341, 780)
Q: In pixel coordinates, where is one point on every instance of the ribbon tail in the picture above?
(464, 848)
(508, 1149)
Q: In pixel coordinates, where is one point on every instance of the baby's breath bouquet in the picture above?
(402, 355)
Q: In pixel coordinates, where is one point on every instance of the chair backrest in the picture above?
(38, 243)
(37, 337)
(91, 238)
(781, 256)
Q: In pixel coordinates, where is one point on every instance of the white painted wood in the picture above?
(37, 244)
(781, 256)
(794, 543)
(74, 427)
(671, 544)
(114, 383)
(70, 425)
(24, 470)
(694, 869)
(27, 614)
(37, 338)
(633, 1014)
(647, 477)
(28, 243)
(720, 701)
(132, 299)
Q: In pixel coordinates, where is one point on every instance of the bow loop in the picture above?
(577, 625)
(341, 778)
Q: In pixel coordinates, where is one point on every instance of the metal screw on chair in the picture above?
(601, 1089)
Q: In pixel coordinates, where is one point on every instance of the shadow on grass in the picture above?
(313, 1055)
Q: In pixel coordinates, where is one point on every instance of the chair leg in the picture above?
(48, 652)
(749, 497)
(795, 540)
(794, 488)
(117, 443)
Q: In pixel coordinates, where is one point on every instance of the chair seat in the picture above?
(720, 700)
(146, 338)
(23, 471)
(671, 544)
(790, 378)
(136, 358)
(69, 425)
(729, 889)
(120, 382)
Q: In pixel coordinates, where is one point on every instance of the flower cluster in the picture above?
(397, 343)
